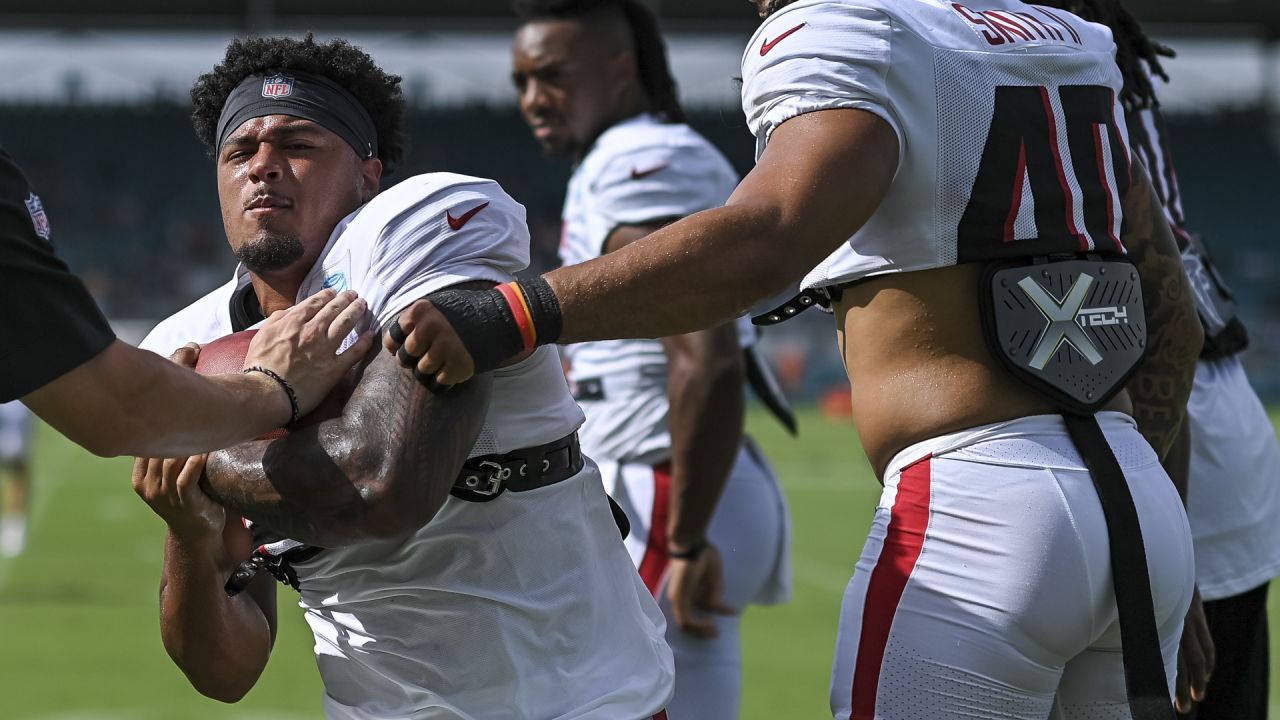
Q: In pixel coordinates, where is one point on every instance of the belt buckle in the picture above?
(489, 486)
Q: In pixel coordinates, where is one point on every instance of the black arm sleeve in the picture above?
(52, 325)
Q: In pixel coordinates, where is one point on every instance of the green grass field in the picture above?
(78, 610)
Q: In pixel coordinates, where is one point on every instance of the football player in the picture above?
(664, 417)
(1233, 493)
(461, 559)
(60, 357)
(955, 180)
(15, 452)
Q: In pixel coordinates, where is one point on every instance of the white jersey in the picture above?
(526, 605)
(1233, 490)
(1046, 175)
(638, 172)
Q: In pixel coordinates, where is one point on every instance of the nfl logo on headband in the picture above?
(277, 86)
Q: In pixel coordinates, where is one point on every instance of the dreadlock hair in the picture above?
(1132, 46)
(338, 60)
(769, 7)
(650, 50)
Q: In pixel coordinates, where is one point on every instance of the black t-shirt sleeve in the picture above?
(52, 325)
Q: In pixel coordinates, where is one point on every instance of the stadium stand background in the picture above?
(92, 104)
(133, 204)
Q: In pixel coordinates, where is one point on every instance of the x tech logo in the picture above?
(1060, 317)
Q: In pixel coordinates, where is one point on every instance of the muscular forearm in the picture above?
(820, 179)
(705, 422)
(691, 275)
(221, 643)
(127, 401)
(1177, 462)
(1160, 387)
(382, 470)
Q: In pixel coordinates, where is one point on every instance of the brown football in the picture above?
(226, 355)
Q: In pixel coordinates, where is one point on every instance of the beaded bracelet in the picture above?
(288, 389)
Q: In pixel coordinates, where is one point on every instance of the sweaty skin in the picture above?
(914, 348)
(820, 178)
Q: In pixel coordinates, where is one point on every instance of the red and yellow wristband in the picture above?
(519, 305)
(500, 323)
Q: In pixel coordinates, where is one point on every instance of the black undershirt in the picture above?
(52, 324)
(245, 309)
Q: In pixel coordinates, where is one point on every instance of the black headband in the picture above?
(304, 95)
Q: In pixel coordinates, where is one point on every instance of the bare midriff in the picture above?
(918, 364)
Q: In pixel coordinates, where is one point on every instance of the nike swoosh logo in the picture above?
(768, 44)
(456, 223)
(637, 174)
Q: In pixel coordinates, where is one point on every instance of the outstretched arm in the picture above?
(1162, 383)
(821, 177)
(380, 470)
(130, 401)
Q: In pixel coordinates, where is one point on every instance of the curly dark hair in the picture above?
(338, 60)
(1132, 47)
(650, 50)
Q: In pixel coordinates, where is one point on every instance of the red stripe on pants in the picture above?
(654, 564)
(902, 543)
(661, 716)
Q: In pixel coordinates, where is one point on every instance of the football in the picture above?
(226, 355)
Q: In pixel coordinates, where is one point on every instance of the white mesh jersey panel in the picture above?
(930, 70)
(639, 172)
(967, 84)
(1024, 226)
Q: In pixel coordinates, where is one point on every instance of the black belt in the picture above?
(482, 479)
(485, 477)
(1139, 637)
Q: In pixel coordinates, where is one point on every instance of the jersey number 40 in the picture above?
(1054, 169)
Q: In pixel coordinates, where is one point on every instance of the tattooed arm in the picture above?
(1162, 384)
(380, 470)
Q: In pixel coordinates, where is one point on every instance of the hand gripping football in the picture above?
(226, 355)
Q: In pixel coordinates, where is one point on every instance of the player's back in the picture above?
(1012, 144)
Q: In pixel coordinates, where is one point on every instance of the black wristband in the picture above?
(288, 389)
(486, 323)
(693, 552)
(544, 306)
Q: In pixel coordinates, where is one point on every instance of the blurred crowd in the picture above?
(133, 205)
